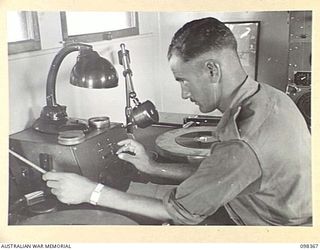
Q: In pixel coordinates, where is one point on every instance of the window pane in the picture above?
(23, 31)
(94, 22)
(19, 26)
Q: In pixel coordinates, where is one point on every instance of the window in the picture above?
(23, 31)
(98, 26)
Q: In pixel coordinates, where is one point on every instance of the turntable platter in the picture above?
(191, 144)
(79, 217)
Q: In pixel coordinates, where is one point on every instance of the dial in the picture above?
(302, 78)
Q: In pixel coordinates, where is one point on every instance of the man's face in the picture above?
(196, 83)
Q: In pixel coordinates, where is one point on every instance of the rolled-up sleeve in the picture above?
(230, 171)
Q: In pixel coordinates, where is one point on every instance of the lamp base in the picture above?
(54, 127)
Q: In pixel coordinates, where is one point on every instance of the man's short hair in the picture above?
(200, 36)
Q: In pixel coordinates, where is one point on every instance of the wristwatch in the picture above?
(95, 195)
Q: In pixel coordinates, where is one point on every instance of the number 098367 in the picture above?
(309, 246)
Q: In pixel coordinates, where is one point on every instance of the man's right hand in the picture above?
(134, 152)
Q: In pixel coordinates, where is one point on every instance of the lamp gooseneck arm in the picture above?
(53, 72)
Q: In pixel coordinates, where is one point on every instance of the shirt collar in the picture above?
(247, 89)
(227, 128)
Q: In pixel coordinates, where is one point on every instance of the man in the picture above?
(259, 167)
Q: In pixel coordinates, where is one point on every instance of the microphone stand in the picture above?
(124, 60)
(143, 114)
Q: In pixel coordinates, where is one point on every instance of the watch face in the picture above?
(302, 78)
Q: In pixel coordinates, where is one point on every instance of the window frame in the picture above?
(99, 36)
(30, 44)
(256, 42)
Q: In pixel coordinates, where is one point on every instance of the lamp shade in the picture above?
(93, 71)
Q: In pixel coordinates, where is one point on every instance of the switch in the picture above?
(45, 161)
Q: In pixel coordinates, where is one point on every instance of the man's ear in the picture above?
(213, 69)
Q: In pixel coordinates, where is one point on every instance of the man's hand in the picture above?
(69, 188)
(134, 152)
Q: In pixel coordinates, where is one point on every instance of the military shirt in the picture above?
(259, 167)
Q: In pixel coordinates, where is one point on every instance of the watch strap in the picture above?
(95, 195)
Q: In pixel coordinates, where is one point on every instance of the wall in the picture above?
(299, 43)
(152, 77)
(272, 55)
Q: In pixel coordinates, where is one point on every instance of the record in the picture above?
(202, 139)
(186, 144)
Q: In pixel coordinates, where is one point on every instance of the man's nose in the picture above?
(185, 92)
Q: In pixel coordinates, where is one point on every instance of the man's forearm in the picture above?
(175, 171)
(137, 204)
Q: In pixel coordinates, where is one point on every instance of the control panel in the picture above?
(95, 158)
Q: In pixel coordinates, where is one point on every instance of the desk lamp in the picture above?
(90, 71)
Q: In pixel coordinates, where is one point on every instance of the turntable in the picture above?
(79, 217)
